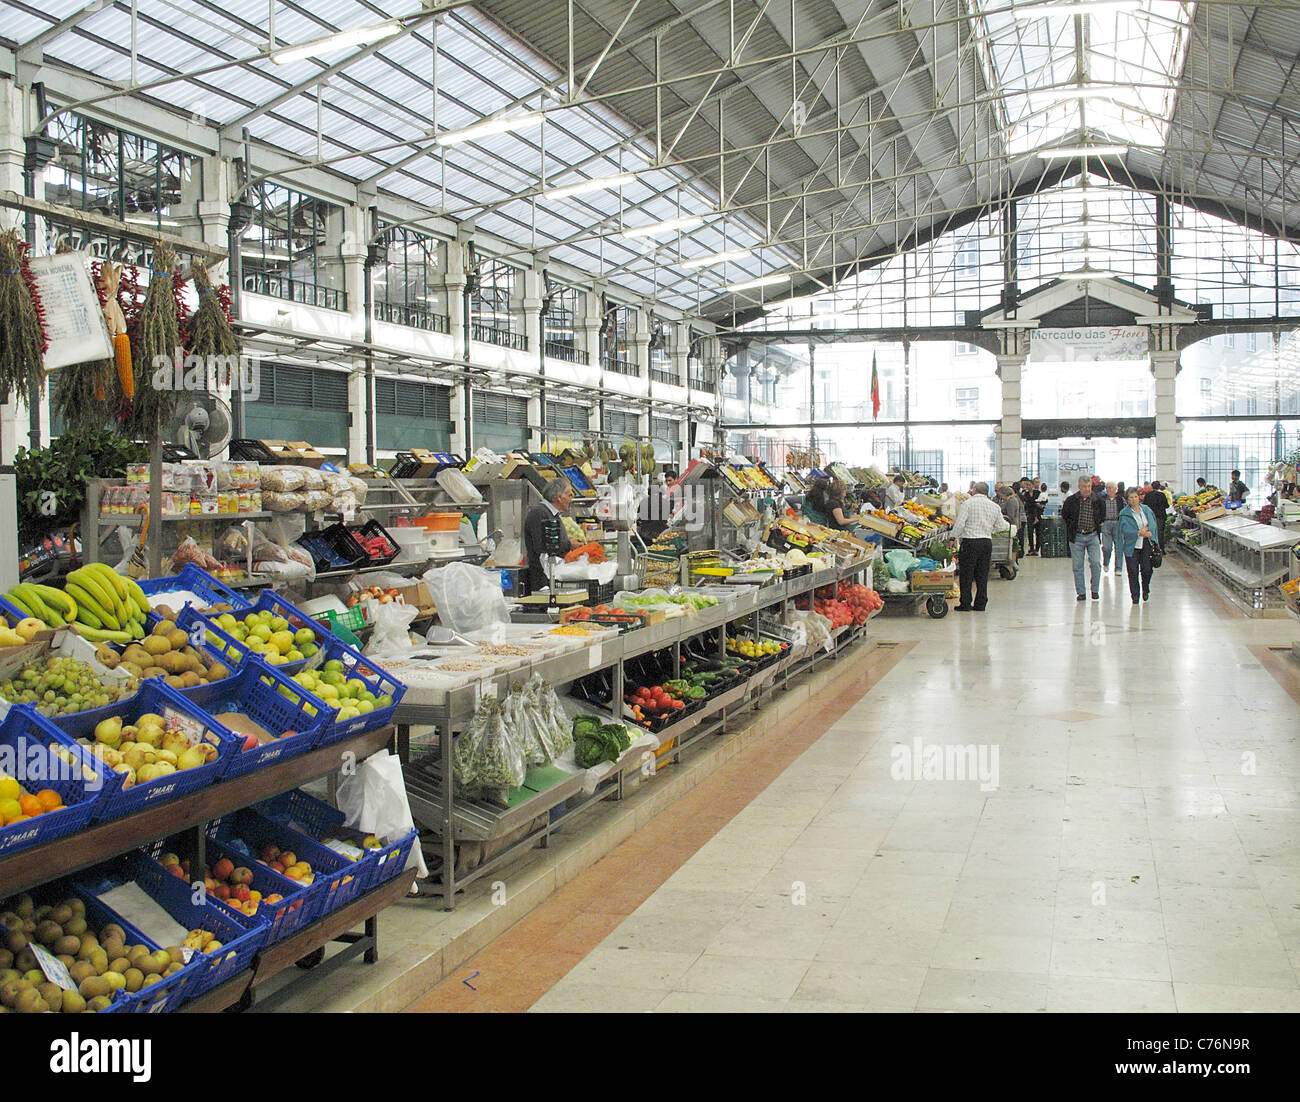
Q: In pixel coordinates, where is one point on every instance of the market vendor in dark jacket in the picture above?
(544, 531)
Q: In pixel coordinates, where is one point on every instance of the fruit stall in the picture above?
(149, 746)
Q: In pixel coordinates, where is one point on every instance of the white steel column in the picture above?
(1169, 433)
(1010, 370)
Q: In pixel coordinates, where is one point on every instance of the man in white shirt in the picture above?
(977, 520)
(894, 492)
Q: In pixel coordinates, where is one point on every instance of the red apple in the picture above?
(241, 875)
(250, 742)
(223, 868)
(222, 892)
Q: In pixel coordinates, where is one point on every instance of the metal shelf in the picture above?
(134, 520)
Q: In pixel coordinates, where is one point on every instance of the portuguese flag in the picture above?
(875, 389)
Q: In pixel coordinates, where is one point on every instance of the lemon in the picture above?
(10, 789)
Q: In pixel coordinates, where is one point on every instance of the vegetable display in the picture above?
(488, 761)
(594, 552)
(595, 741)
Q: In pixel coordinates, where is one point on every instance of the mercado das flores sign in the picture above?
(1097, 342)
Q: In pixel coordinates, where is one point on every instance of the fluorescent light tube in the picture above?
(762, 281)
(670, 226)
(1077, 7)
(487, 127)
(357, 36)
(582, 187)
(1062, 152)
(716, 258)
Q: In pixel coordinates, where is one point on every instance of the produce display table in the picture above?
(433, 799)
(40, 864)
(1247, 557)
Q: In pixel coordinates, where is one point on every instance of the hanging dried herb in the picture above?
(157, 346)
(209, 331)
(23, 339)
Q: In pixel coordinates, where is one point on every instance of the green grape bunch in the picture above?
(62, 686)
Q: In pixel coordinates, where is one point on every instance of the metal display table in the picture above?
(1249, 558)
(454, 819)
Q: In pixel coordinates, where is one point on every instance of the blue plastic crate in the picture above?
(336, 880)
(220, 643)
(241, 935)
(156, 697)
(11, 613)
(282, 918)
(255, 691)
(165, 995)
(197, 581)
(316, 819)
(27, 752)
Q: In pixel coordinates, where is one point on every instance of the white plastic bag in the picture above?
(374, 801)
(392, 634)
(467, 597)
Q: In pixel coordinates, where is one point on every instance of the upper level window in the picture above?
(408, 288)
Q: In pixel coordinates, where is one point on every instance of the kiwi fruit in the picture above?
(61, 914)
(52, 993)
(134, 979)
(98, 1003)
(26, 961)
(67, 945)
(24, 906)
(6, 959)
(152, 672)
(164, 627)
(66, 960)
(73, 1003)
(30, 1002)
(76, 925)
(16, 942)
(81, 970)
(136, 954)
(114, 947)
(218, 672)
(108, 657)
(151, 979)
(189, 680)
(119, 964)
(93, 986)
(156, 645)
(47, 933)
(78, 907)
(88, 946)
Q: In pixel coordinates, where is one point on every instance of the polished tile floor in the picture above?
(1102, 814)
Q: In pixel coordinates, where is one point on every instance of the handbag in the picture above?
(1157, 555)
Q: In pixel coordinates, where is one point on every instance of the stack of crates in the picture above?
(1053, 542)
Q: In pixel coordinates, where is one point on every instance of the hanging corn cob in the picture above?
(111, 276)
(23, 340)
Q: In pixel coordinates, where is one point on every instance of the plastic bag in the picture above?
(896, 585)
(190, 552)
(525, 725)
(488, 760)
(374, 801)
(392, 631)
(283, 480)
(275, 501)
(467, 597)
(557, 721)
(900, 562)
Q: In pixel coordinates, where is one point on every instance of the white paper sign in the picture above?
(53, 968)
(74, 320)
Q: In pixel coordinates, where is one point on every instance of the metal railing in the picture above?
(621, 367)
(490, 335)
(412, 315)
(295, 290)
(562, 350)
(663, 375)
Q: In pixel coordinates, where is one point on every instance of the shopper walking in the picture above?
(977, 520)
(1237, 490)
(1136, 532)
(1159, 506)
(1083, 514)
(1029, 526)
(1114, 503)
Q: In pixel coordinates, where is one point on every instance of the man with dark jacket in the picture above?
(1083, 515)
(1159, 505)
(1029, 529)
(544, 531)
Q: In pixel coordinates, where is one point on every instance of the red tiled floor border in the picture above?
(526, 961)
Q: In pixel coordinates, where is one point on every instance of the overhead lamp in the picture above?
(499, 125)
(672, 225)
(762, 281)
(583, 187)
(356, 36)
(1062, 152)
(716, 258)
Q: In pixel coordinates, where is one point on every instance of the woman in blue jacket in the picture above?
(1135, 532)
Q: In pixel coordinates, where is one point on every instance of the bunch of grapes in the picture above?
(61, 686)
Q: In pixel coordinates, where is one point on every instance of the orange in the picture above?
(31, 806)
(50, 800)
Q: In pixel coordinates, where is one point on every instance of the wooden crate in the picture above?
(880, 524)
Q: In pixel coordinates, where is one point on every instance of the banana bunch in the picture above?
(53, 607)
(110, 608)
(912, 532)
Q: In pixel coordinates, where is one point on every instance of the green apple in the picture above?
(309, 650)
(385, 701)
(304, 635)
